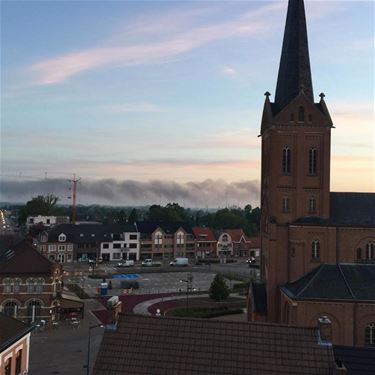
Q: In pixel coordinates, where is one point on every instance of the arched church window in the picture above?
(370, 251)
(312, 161)
(301, 114)
(34, 309)
(10, 308)
(315, 250)
(286, 160)
(370, 334)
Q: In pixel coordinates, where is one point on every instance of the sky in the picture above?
(167, 97)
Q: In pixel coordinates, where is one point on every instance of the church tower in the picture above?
(296, 143)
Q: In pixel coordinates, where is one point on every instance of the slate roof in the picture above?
(203, 234)
(11, 330)
(25, 259)
(352, 208)
(83, 233)
(357, 360)
(294, 69)
(351, 282)
(169, 345)
(148, 227)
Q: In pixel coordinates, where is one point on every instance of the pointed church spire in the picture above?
(294, 71)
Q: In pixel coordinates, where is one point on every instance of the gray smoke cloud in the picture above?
(208, 193)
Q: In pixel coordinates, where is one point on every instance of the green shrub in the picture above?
(219, 290)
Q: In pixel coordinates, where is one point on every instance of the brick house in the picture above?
(310, 235)
(166, 240)
(14, 346)
(205, 242)
(30, 284)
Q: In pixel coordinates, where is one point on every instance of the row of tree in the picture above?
(247, 218)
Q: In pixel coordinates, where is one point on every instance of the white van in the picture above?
(180, 262)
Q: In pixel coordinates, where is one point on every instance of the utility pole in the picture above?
(74, 181)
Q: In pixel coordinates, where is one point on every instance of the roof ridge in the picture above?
(319, 269)
(346, 282)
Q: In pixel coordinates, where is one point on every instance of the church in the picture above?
(317, 246)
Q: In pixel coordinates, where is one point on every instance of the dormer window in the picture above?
(62, 237)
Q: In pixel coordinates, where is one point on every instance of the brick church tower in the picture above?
(318, 247)
(296, 143)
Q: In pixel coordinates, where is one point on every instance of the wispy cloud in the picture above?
(59, 69)
(137, 108)
(229, 71)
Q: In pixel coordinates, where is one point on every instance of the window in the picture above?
(10, 308)
(370, 251)
(132, 245)
(117, 246)
(105, 245)
(133, 237)
(225, 238)
(301, 114)
(61, 247)
(180, 238)
(48, 221)
(312, 161)
(8, 366)
(312, 205)
(16, 285)
(51, 247)
(34, 310)
(7, 286)
(39, 285)
(359, 253)
(19, 361)
(30, 285)
(62, 237)
(370, 335)
(286, 160)
(315, 250)
(116, 255)
(285, 204)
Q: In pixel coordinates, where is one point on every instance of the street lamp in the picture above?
(88, 347)
(188, 287)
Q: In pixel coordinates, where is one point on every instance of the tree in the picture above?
(133, 217)
(40, 205)
(219, 290)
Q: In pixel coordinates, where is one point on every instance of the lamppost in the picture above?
(188, 287)
(88, 347)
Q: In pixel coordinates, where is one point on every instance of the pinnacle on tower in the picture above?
(294, 70)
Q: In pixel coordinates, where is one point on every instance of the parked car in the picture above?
(180, 262)
(126, 263)
(150, 263)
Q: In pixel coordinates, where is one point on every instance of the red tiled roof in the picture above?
(236, 234)
(144, 345)
(26, 260)
(255, 242)
(204, 234)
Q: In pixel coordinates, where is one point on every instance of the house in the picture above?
(81, 242)
(166, 240)
(169, 345)
(30, 284)
(317, 246)
(14, 346)
(205, 242)
(46, 221)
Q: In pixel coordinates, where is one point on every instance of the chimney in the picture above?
(325, 330)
